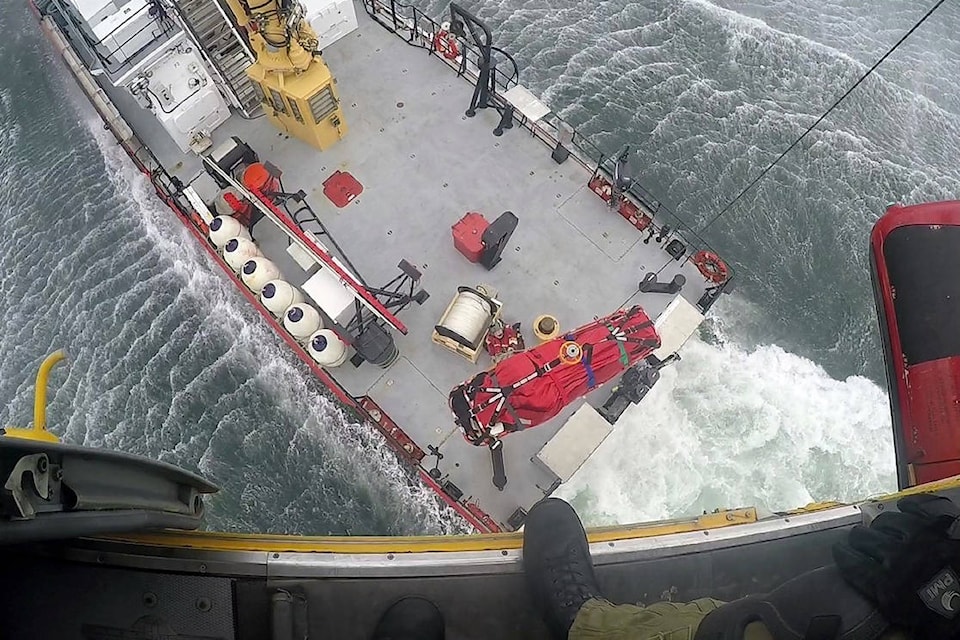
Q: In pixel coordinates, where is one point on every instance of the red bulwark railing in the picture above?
(385, 424)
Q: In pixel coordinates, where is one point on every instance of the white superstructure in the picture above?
(142, 46)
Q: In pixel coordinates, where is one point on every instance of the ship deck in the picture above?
(423, 165)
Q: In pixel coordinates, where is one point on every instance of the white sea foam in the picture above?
(729, 426)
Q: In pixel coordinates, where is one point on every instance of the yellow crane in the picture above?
(298, 91)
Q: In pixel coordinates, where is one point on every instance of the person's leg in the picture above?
(557, 565)
(560, 576)
(659, 621)
(410, 618)
(561, 581)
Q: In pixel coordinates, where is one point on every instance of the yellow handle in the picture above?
(39, 429)
(40, 391)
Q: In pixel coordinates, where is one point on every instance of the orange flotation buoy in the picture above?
(570, 353)
(446, 44)
(257, 177)
(711, 266)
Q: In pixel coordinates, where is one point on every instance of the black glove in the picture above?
(815, 604)
(909, 563)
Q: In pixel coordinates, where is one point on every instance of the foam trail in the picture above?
(728, 427)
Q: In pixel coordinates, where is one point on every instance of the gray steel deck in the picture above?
(423, 164)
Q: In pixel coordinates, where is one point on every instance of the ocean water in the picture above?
(778, 402)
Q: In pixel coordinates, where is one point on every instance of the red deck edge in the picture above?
(626, 208)
(391, 429)
(459, 507)
(327, 260)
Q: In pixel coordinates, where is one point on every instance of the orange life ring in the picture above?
(711, 266)
(446, 44)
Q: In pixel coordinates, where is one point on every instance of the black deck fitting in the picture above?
(650, 284)
(499, 470)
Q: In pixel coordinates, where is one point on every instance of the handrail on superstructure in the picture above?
(108, 61)
(424, 38)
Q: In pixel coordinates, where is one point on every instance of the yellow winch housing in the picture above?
(295, 86)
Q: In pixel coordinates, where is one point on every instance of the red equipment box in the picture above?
(468, 235)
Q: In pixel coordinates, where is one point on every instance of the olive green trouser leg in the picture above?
(661, 621)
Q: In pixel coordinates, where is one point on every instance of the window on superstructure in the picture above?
(295, 110)
(258, 91)
(322, 104)
(278, 103)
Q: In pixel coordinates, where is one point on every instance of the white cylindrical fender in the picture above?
(224, 228)
(257, 272)
(302, 321)
(237, 251)
(278, 295)
(327, 348)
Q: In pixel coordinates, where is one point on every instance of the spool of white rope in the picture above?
(469, 316)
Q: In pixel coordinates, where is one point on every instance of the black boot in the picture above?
(556, 561)
(410, 618)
